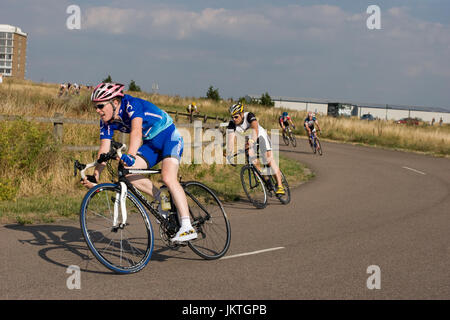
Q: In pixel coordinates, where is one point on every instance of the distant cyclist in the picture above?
(62, 89)
(310, 123)
(284, 121)
(192, 108)
(259, 140)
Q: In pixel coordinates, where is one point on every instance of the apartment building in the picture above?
(13, 51)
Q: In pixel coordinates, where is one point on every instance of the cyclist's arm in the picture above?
(231, 136)
(104, 148)
(255, 132)
(135, 136)
(317, 124)
(105, 145)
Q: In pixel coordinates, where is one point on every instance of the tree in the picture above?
(133, 86)
(213, 94)
(108, 79)
(266, 100)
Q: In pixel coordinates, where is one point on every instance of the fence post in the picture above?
(176, 116)
(205, 118)
(58, 127)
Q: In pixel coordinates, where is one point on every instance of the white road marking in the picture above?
(415, 170)
(250, 253)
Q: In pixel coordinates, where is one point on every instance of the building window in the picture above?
(6, 72)
(9, 35)
(2, 42)
(2, 35)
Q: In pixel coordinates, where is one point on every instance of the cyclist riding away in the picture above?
(284, 121)
(243, 121)
(309, 124)
(162, 142)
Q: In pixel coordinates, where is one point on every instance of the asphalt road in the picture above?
(365, 207)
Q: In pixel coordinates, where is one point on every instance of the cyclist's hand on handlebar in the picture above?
(89, 181)
(229, 158)
(128, 160)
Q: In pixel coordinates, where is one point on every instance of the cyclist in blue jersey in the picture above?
(161, 142)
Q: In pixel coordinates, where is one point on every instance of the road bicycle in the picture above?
(258, 186)
(114, 219)
(314, 143)
(289, 136)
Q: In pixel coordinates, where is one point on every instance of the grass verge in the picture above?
(223, 179)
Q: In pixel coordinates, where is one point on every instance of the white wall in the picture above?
(394, 114)
(391, 114)
(303, 106)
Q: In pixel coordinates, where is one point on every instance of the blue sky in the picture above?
(315, 49)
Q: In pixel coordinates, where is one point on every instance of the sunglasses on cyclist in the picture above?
(101, 106)
(235, 117)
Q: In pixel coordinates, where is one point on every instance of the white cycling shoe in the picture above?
(185, 234)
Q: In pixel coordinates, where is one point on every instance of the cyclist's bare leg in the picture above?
(169, 175)
(273, 164)
(141, 182)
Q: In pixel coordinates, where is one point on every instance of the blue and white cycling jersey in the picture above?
(310, 123)
(154, 120)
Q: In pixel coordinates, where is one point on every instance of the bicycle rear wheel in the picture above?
(123, 250)
(253, 187)
(209, 220)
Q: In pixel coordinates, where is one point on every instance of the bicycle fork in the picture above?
(120, 204)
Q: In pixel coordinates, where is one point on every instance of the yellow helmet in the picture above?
(236, 108)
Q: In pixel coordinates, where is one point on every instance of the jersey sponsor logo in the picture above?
(130, 110)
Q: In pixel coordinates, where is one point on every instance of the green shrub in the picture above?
(8, 189)
(24, 149)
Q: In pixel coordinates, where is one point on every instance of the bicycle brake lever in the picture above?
(77, 166)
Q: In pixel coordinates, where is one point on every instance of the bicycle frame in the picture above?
(125, 185)
(267, 182)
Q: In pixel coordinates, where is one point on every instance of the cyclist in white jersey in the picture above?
(240, 123)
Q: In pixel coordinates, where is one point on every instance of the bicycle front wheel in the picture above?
(318, 146)
(293, 140)
(210, 221)
(285, 139)
(254, 187)
(125, 249)
(286, 197)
